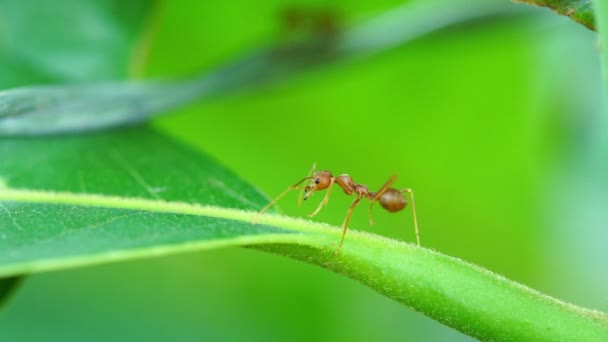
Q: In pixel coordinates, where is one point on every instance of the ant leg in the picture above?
(349, 213)
(411, 192)
(325, 199)
(312, 171)
(371, 220)
(274, 201)
(377, 195)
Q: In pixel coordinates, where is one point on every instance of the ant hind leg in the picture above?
(411, 192)
(377, 195)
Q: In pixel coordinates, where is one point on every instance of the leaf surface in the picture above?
(52, 51)
(86, 199)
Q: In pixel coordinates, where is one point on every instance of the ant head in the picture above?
(320, 181)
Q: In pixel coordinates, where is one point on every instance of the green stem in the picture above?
(461, 295)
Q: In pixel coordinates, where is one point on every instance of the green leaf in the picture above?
(48, 41)
(578, 10)
(86, 199)
(68, 108)
(79, 41)
(125, 167)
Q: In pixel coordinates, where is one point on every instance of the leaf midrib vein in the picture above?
(158, 205)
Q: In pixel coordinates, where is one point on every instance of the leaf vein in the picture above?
(136, 175)
(10, 216)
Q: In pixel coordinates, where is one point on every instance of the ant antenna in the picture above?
(312, 171)
(274, 201)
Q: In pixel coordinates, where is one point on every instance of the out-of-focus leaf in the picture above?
(55, 109)
(48, 41)
(578, 10)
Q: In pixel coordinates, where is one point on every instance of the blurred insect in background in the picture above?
(393, 200)
(308, 34)
(325, 23)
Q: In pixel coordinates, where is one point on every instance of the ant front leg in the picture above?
(411, 192)
(371, 220)
(276, 199)
(349, 213)
(325, 199)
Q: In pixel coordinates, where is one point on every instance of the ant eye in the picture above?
(318, 180)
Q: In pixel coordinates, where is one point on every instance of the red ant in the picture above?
(390, 199)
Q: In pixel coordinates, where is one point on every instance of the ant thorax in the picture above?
(346, 183)
(361, 189)
(350, 187)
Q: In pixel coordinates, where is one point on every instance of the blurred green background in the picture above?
(496, 124)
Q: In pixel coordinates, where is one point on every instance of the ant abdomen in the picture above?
(393, 200)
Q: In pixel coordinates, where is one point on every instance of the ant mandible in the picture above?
(390, 199)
